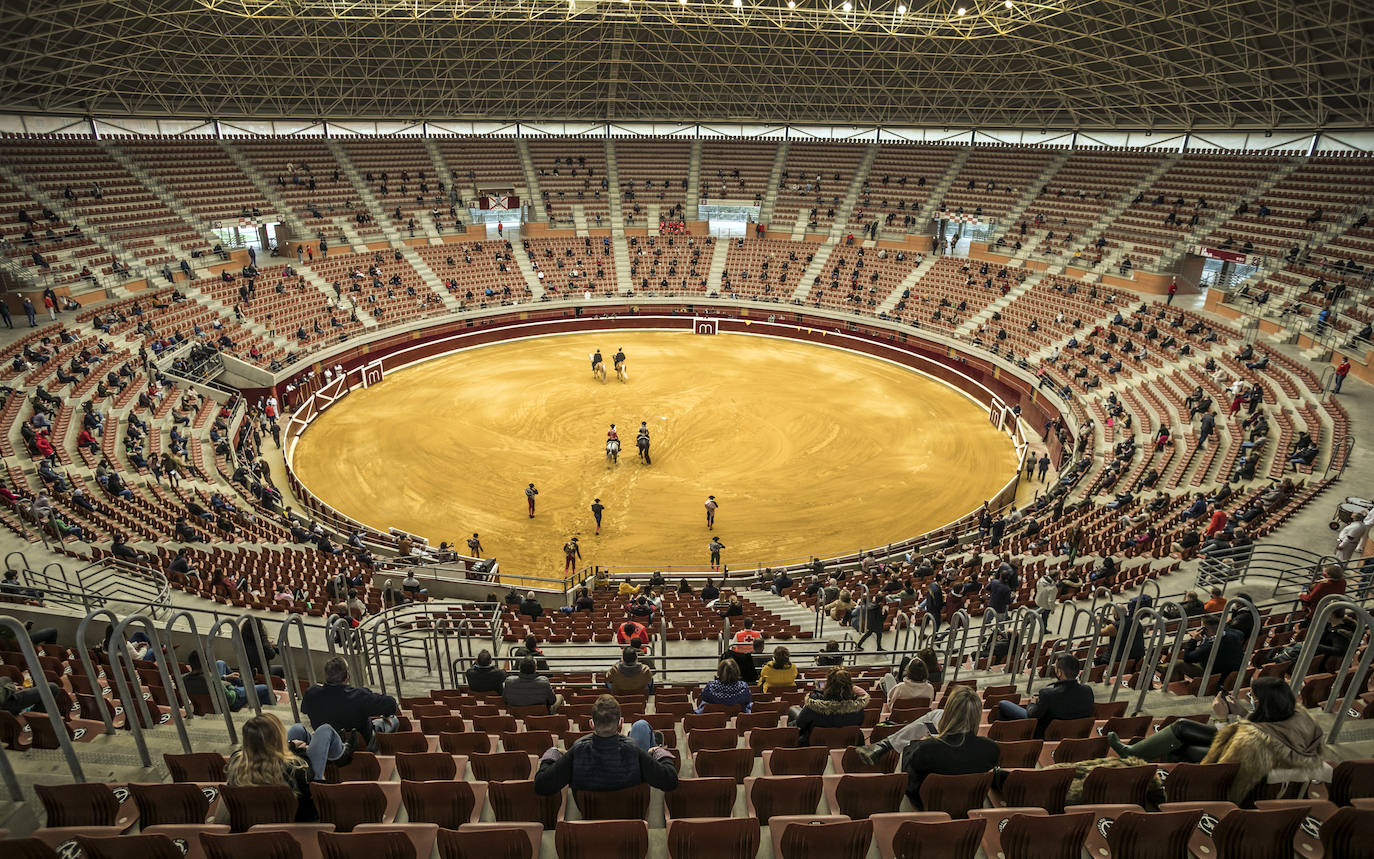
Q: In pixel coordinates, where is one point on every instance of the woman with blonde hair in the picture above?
(266, 758)
(955, 724)
(954, 749)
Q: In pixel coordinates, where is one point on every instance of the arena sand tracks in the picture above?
(808, 449)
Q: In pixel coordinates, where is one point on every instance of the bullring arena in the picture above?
(1023, 348)
(808, 450)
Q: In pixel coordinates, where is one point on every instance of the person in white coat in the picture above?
(1351, 537)
(1046, 596)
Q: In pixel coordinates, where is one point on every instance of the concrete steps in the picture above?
(938, 191)
(268, 191)
(770, 197)
(532, 181)
(718, 254)
(522, 261)
(909, 282)
(694, 183)
(814, 269)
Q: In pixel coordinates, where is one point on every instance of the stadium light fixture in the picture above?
(901, 10)
(848, 7)
(961, 11)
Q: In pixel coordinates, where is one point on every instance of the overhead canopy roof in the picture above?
(1163, 64)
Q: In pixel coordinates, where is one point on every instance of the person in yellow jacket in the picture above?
(778, 672)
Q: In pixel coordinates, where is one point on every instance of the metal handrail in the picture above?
(83, 653)
(1157, 640)
(288, 660)
(1243, 605)
(207, 665)
(958, 622)
(236, 643)
(161, 655)
(45, 696)
(1180, 636)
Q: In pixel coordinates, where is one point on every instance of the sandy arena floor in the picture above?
(807, 450)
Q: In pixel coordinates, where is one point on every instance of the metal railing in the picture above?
(49, 702)
(111, 583)
(1352, 681)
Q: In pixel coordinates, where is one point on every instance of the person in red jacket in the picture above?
(1342, 370)
(631, 630)
(85, 439)
(1217, 523)
(1333, 583)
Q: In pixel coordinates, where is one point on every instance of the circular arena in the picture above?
(809, 451)
(1004, 368)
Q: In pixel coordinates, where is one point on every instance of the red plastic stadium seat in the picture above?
(807, 760)
(402, 742)
(128, 847)
(464, 743)
(366, 845)
(1047, 788)
(350, 804)
(517, 801)
(1161, 835)
(169, 804)
(1245, 834)
(249, 806)
(955, 794)
(597, 839)
(1349, 833)
(1018, 753)
(488, 843)
(444, 803)
(836, 738)
(500, 766)
(426, 766)
(861, 795)
(1199, 782)
(767, 796)
(1113, 785)
(1065, 729)
(949, 839)
(259, 845)
(197, 766)
(91, 804)
(700, 797)
(630, 803)
(734, 763)
(1058, 836)
(839, 840)
(713, 838)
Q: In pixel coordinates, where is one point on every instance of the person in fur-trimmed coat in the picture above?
(838, 704)
(1274, 734)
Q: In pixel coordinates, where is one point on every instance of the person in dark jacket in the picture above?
(531, 607)
(347, 708)
(999, 596)
(835, 704)
(872, 613)
(608, 760)
(1066, 699)
(253, 634)
(1229, 644)
(529, 689)
(486, 675)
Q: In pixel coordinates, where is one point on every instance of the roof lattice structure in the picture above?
(1053, 63)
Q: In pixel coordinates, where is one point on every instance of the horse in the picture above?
(599, 371)
(620, 372)
(613, 451)
(643, 443)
